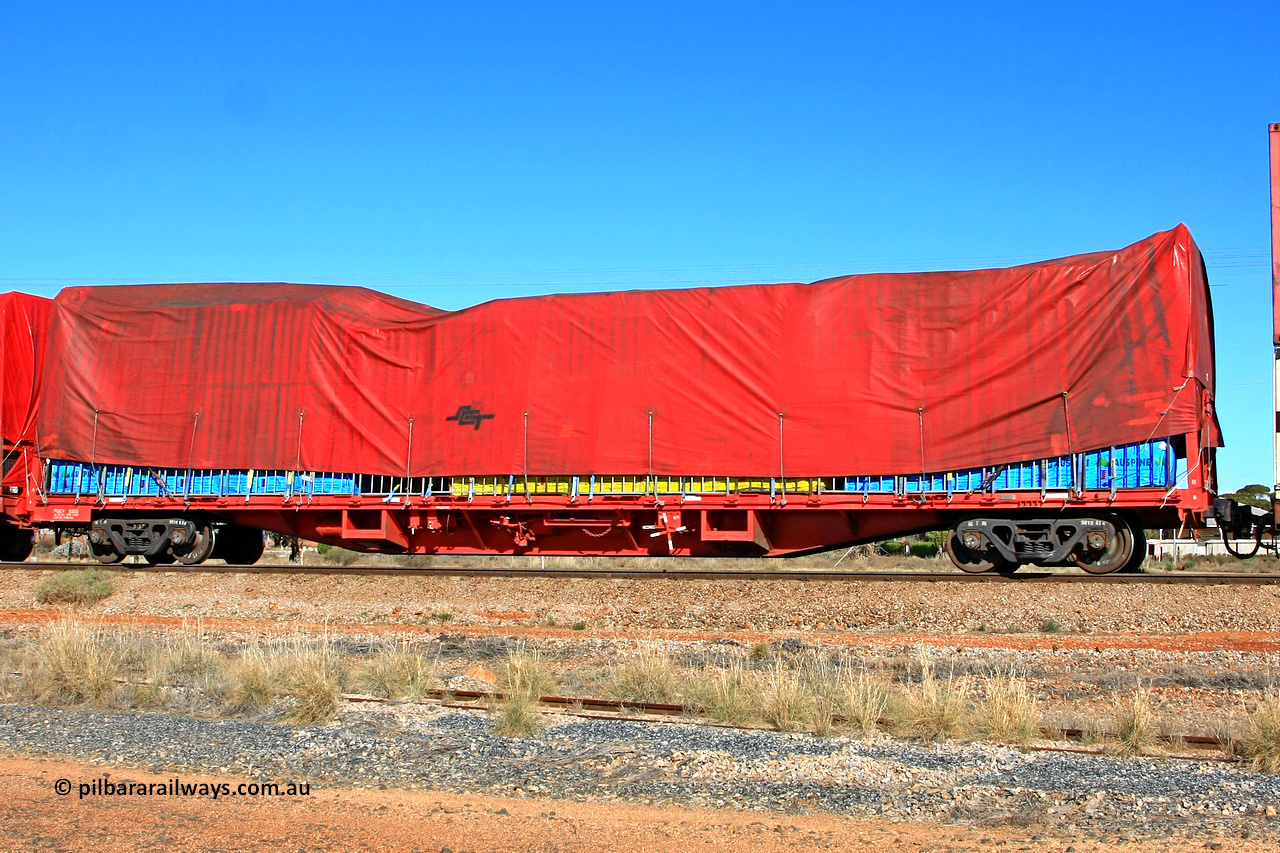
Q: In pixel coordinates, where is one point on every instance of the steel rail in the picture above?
(803, 575)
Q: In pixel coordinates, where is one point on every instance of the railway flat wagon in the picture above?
(1042, 414)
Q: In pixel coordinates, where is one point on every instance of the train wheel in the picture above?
(105, 555)
(201, 547)
(1114, 557)
(1139, 555)
(239, 546)
(972, 561)
(15, 543)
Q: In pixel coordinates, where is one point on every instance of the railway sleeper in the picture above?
(1098, 544)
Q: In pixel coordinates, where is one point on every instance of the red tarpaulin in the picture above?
(871, 374)
(23, 319)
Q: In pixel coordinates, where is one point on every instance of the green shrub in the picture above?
(79, 586)
(334, 554)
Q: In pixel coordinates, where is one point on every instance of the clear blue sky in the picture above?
(456, 153)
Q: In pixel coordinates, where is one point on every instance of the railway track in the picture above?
(803, 575)
(599, 708)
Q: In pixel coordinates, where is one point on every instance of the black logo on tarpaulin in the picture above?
(468, 416)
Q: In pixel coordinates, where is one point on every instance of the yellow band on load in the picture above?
(630, 485)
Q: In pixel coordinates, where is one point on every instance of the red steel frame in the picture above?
(746, 524)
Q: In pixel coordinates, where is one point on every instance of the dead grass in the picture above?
(786, 701)
(934, 709)
(1136, 729)
(253, 680)
(725, 694)
(188, 659)
(524, 680)
(313, 674)
(1260, 742)
(645, 676)
(397, 672)
(865, 701)
(77, 587)
(1009, 713)
(75, 663)
(526, 674)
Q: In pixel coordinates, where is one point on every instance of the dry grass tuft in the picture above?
(518, 716)
(1136, 729)
(1009, 713)
(397, 672)
(77, 587)
(75, 664)
(786, 702)
(313, 675)
(934, 709)
(823, 719)
(187, 659)
(524, 680)
(725, 694)
(864, 701)
(253, 680)
(12, 660)
(1260, 742)
(308, 674)
(646, 676)
(526, 674)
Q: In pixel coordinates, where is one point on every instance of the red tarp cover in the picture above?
(23, 319)
(327, 378)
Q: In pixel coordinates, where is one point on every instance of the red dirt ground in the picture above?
(1241, 641)
(336, 820)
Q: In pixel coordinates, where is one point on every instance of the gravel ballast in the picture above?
(410, 746)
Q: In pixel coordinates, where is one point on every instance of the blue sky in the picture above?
(457, 153)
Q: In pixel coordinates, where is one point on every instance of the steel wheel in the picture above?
(973, 562)
(15, 543)
(238, 545)
(107, 556)
(201, 547)
(1116, 556)
(1139, 555)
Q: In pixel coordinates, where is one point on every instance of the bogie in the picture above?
(1099, 544)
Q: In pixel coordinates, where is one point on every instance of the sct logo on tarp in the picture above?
(467, 416)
